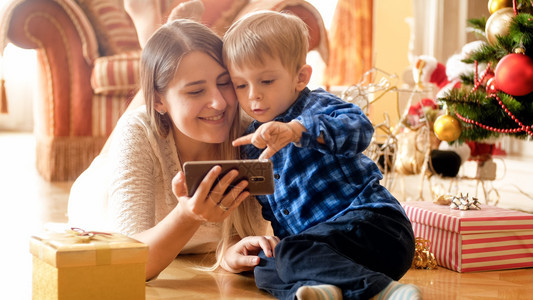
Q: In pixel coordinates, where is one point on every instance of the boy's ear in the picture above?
(304, 76)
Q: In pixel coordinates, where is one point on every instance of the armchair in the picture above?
(88, 59)
(84, 80)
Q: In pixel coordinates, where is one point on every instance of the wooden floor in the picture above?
(181, 280)
(28, 204)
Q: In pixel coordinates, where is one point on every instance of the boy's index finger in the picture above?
(267, 153)
(243, 140)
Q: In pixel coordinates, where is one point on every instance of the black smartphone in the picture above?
(259, 174)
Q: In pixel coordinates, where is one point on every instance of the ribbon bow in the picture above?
(84, 236)
(465, 203)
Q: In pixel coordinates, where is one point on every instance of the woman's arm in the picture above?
(137, 188)
(166, 239)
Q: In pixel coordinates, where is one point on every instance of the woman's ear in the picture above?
(304, 76)
(159, 106)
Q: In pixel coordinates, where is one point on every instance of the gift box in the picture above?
(87, 265)
(490, 238)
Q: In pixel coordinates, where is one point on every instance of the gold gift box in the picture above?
(90, 265)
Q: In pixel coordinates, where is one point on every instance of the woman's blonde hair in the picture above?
(275, 34)
(160, 60)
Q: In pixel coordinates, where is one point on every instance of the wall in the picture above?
(392, 34)
(19, 68)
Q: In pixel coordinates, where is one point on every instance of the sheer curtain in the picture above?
(350, 43)
(440, 26)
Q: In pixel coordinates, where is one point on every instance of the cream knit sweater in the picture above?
(128, 189)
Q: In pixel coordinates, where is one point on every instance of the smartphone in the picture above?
(259, 174)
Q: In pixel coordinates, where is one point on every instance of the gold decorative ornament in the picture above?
(423, 259)
(447, 128)
(444, 200)
(495, 5)
(498, 24)
(519, 50)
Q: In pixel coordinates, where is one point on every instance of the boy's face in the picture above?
(265, 91)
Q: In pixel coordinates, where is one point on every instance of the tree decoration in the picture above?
(514, 74)
(488, 107)
(491, 88)
(447, 128)
(495, 5)
(498, 24)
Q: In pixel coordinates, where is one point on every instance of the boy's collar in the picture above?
(295, 108)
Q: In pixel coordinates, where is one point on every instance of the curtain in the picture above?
(350, 43)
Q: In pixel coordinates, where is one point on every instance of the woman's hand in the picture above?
(168, 237)
(243, 255)
(210, 203)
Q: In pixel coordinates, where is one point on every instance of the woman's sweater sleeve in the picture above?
(133, 173)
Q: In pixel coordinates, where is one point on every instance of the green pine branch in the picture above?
(477, 26)
(485, 109)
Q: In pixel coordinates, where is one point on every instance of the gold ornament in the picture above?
(447, 128)
(495, 5)
(519, 50)
(424, 258)
(444, 200)
(498, 24)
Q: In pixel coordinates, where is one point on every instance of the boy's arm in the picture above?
(339, 128)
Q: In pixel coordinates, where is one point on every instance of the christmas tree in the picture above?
(498, 100)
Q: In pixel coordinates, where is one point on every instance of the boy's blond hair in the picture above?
(277, 35)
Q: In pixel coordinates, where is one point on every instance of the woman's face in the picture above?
(200, 100)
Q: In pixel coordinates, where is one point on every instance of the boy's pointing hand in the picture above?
(273, 136)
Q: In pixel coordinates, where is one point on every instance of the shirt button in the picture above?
(276, 176)
(285, 211)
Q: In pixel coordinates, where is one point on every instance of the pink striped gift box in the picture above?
(491, 238)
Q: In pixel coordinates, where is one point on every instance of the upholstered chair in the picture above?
(88, 67)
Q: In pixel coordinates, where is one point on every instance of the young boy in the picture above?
(343, 235)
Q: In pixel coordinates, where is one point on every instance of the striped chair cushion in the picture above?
(114, 29)
(106, 110)
(116, 74)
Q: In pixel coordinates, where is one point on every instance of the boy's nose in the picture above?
(255, 94)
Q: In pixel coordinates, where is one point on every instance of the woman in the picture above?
(191, 113)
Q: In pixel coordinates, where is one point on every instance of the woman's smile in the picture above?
(214, 118)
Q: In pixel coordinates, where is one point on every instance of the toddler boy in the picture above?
(343, 235)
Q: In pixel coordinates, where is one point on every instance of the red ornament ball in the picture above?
(491, 87)
(514, 74)
(487, 77)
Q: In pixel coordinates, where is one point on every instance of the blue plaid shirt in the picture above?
(317, 182)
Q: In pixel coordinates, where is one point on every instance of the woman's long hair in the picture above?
(159, 62)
